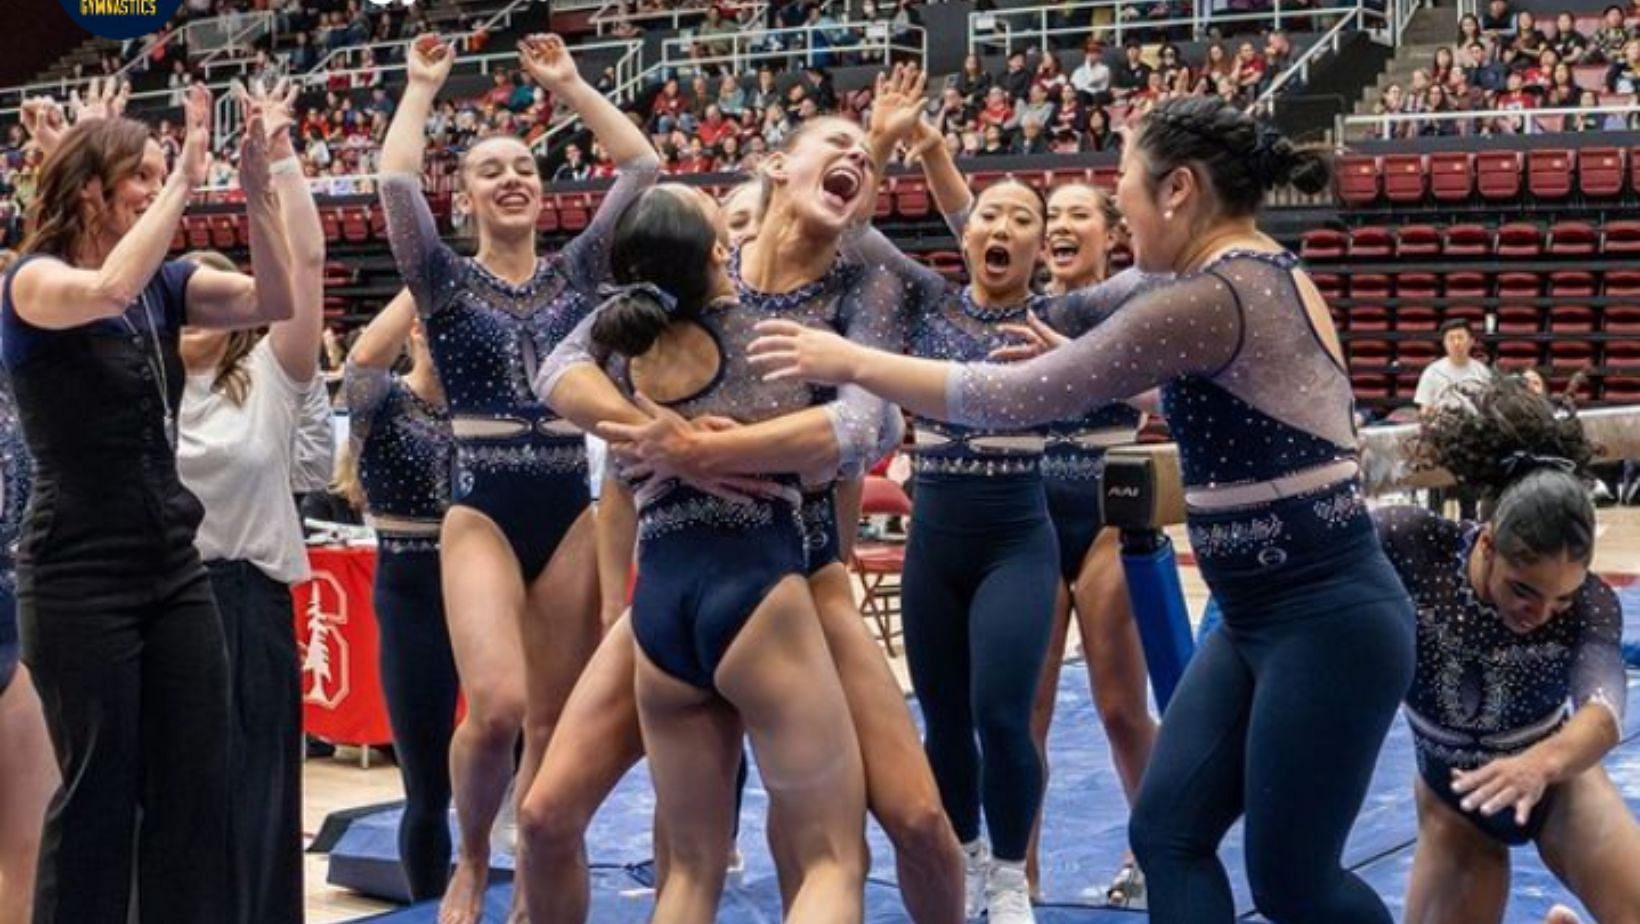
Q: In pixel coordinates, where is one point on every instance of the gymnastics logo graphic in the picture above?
(121, 19)
(325, 675)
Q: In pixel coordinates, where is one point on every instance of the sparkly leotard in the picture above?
(1317, 644)
(520, 465)
(1482, 691)
(16, 480)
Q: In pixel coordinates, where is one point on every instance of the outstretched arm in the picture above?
(423, 259)
(295, 341)
(1186, 327)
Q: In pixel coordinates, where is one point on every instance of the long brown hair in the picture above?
(232, 378)
(106, 150)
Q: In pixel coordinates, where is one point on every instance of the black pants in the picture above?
(419, 678)
(264, 745)
(133, 677)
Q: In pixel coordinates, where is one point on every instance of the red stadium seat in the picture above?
(1323, 244)
(574, 211)
(1520, 239)
(1622, 237)
(1330, 285)
(1358, 180)
(1466, 285)
(947, 263)
(199, 231)
(1467, 241)
(1617, 389)
(1369, 354)
(1418, 241)
(332, 222)
(1404, 178)
(378, 222)
(224, 233)
(1417, 319)
(1451, 176)
(1105, 177)
(1369, 286)
(546, 220)
(1573, 239)
(1519, 319)
(1549, 173)
(1571, 284)
(1370, 386)
(1474, 314)
(1498, 175)
(1623, 354)
(1515, 354)
(1600, 172)
(1371, 241)
(911, 198)
(1621, 319)
(1519, 285)
(1368, 319)
(1571, 319)
(179, 239)
(1417, 285)
(1622, 284)
(355, 225)
(1417, 353)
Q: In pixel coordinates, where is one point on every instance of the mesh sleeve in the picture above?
(364, 390)
(429, 266)
(573, 350)
(1598, 675)
(889, 292)
(1078, 312)
(585, 260)
(1188, 327)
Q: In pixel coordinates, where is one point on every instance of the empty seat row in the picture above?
(1512, 240)
(1453, 178)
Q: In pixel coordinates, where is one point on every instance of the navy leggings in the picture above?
(981, 572)
(1280, 718)
(419, 678)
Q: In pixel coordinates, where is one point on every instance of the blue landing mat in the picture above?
(1084, 835)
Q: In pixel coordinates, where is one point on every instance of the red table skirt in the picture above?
(336, 639)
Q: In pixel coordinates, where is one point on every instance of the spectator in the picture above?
(1469, 30)
(1030, 141)
(1393, 103)
(729, 155)
(1499, 19)
(1529, 42)
(1513, 99)
(818, 84)
(1436, 101)
(1442, 71)
(1442, 384)
(954, 115)
(1609, 40)
(1049, 76)
(767, 92)
(716, 35)
(381, 102)
(1133, 74)
(1070, 121)
(998, 111)
(1038, 108)
(1175, 71)
(1219, 64)
(695, 160)
(714, 128)
(1569, 43)
(775, 126)
(1101, 136)
(731, 98)
(1250, 70)
(972, 144)
(1016, 80)
(1489, 75)
(1624, 75)
(1092, 79)
(178, 82)
(996, 144)
(666, 109)
(303, 56)
(974, 81)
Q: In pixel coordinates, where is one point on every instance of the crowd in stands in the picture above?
(1512, 61)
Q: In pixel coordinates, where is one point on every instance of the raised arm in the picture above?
(1186, 327)
(236, 300)
(382, 341)
(54, 295)
(295, 341)
(586, 259)
(423, 259)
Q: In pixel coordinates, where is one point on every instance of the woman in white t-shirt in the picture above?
(241, 407)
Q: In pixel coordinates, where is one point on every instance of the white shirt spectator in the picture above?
(1440, 378)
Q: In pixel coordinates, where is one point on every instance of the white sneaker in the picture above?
(977, 866)
(1008, 896)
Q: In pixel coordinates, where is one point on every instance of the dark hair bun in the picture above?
(628, 322)
(1286, 164)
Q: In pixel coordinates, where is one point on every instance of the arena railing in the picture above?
(1299, 70)
(1381, 126)
(751, 47)
(1033, 26)
(613, 13)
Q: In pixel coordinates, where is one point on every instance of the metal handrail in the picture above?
(612, 12)
(1300, 68)
(1529, 118)
(878, 35)
(996, 27)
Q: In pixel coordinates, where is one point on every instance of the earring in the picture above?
(1168, 214)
